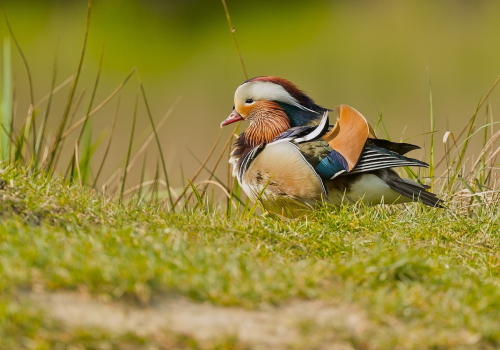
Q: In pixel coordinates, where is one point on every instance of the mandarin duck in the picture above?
(292, 160)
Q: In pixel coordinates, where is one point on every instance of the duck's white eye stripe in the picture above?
(264, 90)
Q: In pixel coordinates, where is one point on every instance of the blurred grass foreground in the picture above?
(111, 236)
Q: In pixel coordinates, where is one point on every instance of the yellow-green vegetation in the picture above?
(427, 278)
(411, 277)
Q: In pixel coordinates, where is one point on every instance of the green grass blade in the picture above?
(7, 95)
(61, 145)
(482, 174)
(129, 151)
(43, 124)
(108, 145)
(143, 171)
(86, 132)
(467, 186)
(162, 158)
(55, 148)
(29, 124)
(154, 193)
(196, 193)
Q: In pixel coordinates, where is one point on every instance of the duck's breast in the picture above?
(283, 179)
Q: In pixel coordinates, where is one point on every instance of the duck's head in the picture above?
(272, 105)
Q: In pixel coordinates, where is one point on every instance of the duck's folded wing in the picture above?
(333, 164)
(375, 158)
(350, 147)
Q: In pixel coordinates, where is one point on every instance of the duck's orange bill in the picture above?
(233, 118)
(349, 135)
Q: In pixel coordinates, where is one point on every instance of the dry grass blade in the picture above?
(199, 170)
(152, 135)
(103, 103)
(108, 145)
(214, 176)
(210, 182)
(54, 91)
(143, 184)
(110, 180)
(447, 149)
(212, 173)
(486, 148)
(490, 113)
(471, 120)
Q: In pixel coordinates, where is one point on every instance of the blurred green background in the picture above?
(376, 56)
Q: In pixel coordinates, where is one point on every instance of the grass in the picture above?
(426, 278)
(434, 273)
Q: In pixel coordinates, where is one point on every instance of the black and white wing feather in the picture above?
(376, 158)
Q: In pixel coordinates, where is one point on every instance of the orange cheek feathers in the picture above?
(246, 110)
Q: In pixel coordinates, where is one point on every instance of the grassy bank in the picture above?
(412, 277)
(426, 278)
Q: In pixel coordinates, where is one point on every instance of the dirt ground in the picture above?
(297, 324)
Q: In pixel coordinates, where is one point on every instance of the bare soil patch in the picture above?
(315, 323)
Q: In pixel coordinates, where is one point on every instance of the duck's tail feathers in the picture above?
(412, 190)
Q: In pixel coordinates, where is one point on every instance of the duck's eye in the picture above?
(249, 101)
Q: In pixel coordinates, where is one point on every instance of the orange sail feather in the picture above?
(349, 135)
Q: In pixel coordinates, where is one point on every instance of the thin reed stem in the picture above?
(233, 30)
